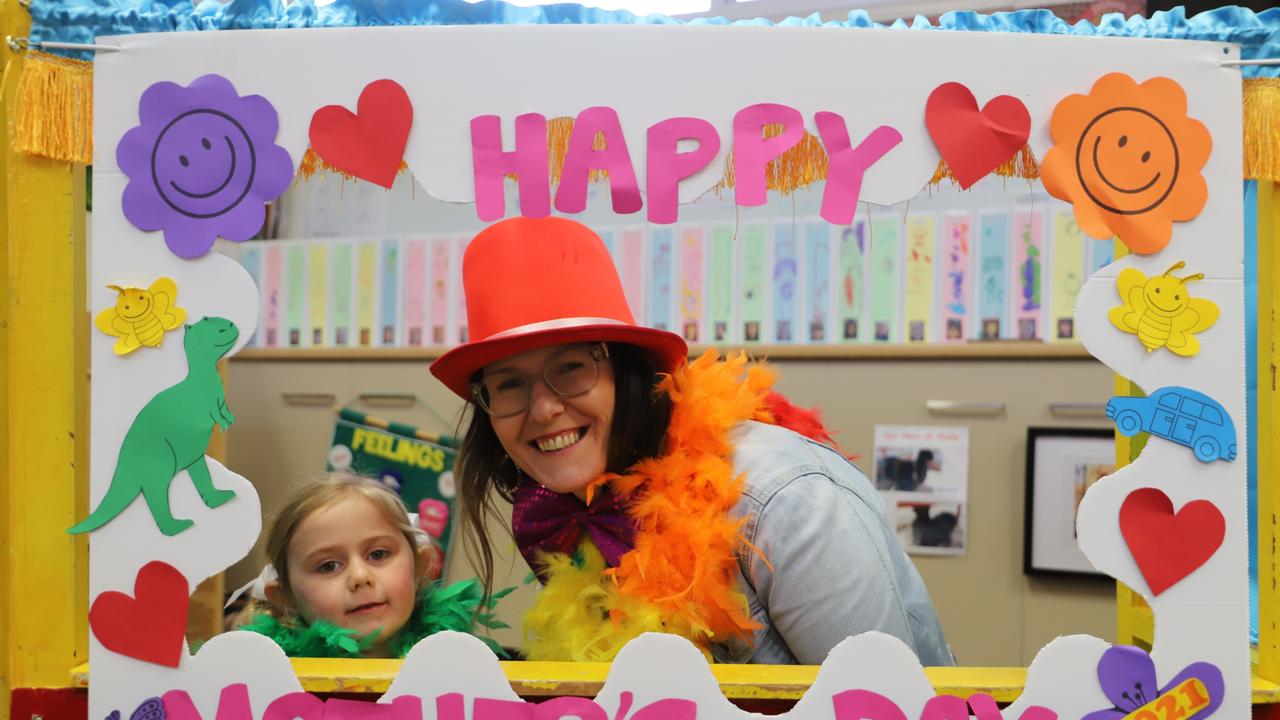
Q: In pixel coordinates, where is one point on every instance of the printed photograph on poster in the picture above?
(929, 528)
(923, 475)
(1062, 464)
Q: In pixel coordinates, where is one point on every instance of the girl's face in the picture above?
(561, 442)
(352, 567)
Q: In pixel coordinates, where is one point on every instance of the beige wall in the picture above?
(993, 615)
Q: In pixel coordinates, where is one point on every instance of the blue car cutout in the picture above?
(1181, 415)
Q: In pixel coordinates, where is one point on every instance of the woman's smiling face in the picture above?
(561, 442)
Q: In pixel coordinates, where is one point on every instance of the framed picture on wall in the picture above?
(1062, 463)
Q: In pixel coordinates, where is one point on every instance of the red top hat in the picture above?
(534, 282)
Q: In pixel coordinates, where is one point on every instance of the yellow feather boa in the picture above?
(681, 576)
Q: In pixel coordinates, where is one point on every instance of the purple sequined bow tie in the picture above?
(544, 521)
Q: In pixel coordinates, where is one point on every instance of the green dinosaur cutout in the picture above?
(171, 434)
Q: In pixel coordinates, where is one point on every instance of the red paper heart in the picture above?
(149, 626)
(974, 142)
(1169, 546)
(370, 143)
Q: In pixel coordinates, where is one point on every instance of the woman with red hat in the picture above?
(654, 494)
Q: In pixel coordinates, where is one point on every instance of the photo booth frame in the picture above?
(69, 505)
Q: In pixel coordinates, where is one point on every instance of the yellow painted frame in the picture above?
(44, 395)
(1268, 659)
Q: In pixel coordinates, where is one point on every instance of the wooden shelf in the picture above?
(1001, 350)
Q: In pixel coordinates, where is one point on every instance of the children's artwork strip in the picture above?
(751, 294)
(691, 282)
(340, 297)
(850, 280)
(272, 294)
(954, 295)
(1068, 266)
(1101, 254)
(917, 299)
(389, 306)
(455, 276)
(720, 284)
(630, 262)
(251, 259)
(366, 289)
(784, 278)
(439, 278)
(1028, 274)
(415, 291)
(295, 284)
(817, 280)
(661, 278)
(883, 278)
(319, 292)
(992, 322)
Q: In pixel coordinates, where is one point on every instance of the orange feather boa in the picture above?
(681, 576)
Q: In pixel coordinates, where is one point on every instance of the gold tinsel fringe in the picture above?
(54, 119)
(312, 165)
(55, 108)
(801, 166)
(1262, 129)
(1022, 165)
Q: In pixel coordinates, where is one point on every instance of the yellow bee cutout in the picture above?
(141, 317)
(1161, 311)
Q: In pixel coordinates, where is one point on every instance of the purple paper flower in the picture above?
(202, 163)
(1128, 679)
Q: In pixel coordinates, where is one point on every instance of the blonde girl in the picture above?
(351, 576)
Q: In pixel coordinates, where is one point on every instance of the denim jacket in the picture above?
(837, 568)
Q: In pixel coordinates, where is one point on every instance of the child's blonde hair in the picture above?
(319, 494)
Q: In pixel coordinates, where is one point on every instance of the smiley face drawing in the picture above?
(202, 164)
(1128, 159)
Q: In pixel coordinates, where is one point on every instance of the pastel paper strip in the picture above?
(295, 284)
(883, 278)
(415, 291)
(440, 277)
(785, 279)
(343, 285)
(661, 278)
(319, 305)
(366, 291)
(691, 283)
(720, 284)
(751, 291)
(917, 303)
(251, 260)
(1068, 274)
(631, 267)
(1028, 274)
(953, 299)
(850, 280)
(993, 277)
(817, 280)
(273, 295)
(389, 304)
(455, 278)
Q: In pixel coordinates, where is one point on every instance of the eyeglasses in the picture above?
(569, 372)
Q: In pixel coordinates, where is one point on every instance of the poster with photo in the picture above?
(923, 475)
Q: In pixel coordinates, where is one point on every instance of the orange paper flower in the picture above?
(1128, 158)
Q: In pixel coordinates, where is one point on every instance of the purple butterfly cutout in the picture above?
(1128, 679)
(115, 715)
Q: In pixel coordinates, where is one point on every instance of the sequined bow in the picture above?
(544, 521)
